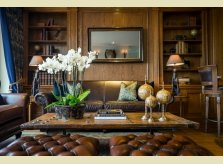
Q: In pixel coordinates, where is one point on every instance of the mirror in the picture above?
(116, 44)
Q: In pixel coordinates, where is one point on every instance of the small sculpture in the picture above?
(164, 97)
(143, 92)
(151, 102)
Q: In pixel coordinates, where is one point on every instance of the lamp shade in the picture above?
(174, 60)
(36, 60)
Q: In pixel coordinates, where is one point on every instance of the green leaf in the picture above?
(53, 104)
(83, 95)
(56, 97)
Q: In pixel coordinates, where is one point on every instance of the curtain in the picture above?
(12, 34)
(7, 49)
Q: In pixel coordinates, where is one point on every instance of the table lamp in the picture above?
(174, 61)
(35, 61)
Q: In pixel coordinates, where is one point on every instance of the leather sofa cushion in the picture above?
(126, 106)
(10, 112)
(93, 106)
(96, 88)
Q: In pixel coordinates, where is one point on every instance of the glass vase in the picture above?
(62, 112)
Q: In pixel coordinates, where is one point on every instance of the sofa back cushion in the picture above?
(106, 90)
(97, 89)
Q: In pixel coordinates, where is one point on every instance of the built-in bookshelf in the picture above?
(182, 33)
(46, 35)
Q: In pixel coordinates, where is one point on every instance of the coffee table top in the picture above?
(133, 121)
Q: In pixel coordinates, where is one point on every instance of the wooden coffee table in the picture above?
(48, 122)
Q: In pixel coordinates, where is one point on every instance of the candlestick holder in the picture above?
(163, 110)
(151, 115)
(145, 116)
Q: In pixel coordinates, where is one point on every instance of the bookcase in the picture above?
(183, 32)
(46, 34)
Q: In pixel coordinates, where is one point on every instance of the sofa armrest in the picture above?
(19, 99)
(43, 99)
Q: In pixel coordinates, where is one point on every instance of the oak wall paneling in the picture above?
(215, 45)
(115, 18)
(216, 25)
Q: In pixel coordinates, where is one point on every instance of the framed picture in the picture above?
(116, 44)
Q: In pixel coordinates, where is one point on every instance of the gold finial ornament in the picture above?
(151, 102)
(164, 97)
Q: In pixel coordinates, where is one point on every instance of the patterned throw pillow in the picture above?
(2, 102)
(128, 92)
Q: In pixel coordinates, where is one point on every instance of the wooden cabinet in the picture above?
(46, 34)
(183, 32)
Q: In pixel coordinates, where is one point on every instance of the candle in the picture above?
(147, 70)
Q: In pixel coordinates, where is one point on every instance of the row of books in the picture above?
(45, 78)
(192, 21)
(181, 47)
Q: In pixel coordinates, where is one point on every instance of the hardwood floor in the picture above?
(206, 140)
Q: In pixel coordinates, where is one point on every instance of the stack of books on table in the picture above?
(110, 114)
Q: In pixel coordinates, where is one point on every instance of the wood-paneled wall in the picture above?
(216, 39)
(119, 17)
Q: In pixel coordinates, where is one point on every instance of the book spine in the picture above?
(177, 47)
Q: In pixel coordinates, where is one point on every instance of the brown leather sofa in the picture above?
(12, 114)
(104, 95)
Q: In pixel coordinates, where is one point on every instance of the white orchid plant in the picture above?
(73, 62)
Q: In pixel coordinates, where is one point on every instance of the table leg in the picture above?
(181, 103)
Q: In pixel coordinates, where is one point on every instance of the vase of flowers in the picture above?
(73, 64)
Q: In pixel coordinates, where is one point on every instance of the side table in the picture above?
(181, 99)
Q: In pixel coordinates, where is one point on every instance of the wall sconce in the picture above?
(97, 53)
(124, 52)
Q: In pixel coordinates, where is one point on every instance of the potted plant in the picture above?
(68, 97)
